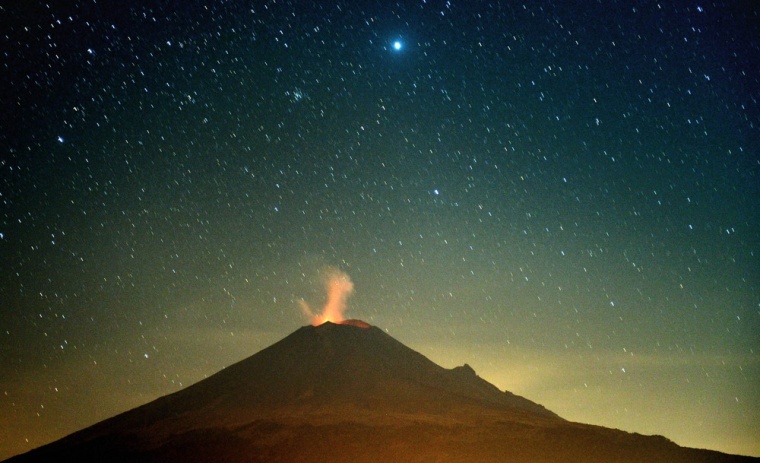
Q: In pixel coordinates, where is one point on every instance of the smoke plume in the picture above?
(339, 287)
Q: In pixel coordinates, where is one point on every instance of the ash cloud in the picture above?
(339, 288)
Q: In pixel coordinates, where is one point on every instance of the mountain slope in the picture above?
(350, 392)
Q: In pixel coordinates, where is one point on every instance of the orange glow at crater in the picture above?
(339, 288)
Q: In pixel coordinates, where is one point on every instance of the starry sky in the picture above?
(564, 197)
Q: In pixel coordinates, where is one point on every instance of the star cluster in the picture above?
(564, 198)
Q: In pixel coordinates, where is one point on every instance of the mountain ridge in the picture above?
(351, 392)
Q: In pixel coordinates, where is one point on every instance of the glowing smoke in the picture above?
(339, 287)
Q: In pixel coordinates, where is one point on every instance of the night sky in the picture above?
(563, 197)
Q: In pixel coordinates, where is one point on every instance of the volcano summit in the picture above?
(349, 392)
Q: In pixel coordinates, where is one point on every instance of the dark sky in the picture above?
(564, 197)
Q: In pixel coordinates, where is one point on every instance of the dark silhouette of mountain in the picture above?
(351, 393)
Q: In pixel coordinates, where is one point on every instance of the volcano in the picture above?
(349, 392)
